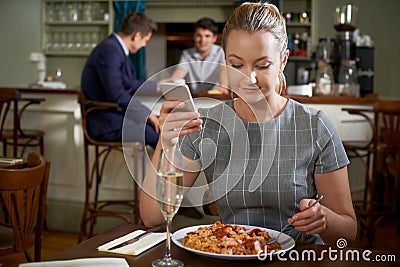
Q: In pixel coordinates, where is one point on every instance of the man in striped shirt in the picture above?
(203, 64)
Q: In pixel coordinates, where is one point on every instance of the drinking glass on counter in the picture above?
(348, 79)
(324, 80)
(169, 188)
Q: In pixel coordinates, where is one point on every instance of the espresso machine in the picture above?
(344, 65)
(353, 66)
(345, 24)
(345, 69)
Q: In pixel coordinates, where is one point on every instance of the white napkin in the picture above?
(135, 248)
(53, 84)
(87, 262)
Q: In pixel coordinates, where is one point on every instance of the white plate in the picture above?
(286, 242)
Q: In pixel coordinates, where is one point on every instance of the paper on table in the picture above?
(87, 262)
(135, 248)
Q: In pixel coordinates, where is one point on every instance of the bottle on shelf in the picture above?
(324, 80)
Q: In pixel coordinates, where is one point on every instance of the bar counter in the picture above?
(310, 100)
(301, 99)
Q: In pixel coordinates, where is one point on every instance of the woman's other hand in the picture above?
(310, 220)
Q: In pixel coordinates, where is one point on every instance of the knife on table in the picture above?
(136, 238)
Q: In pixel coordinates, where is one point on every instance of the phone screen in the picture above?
(180, 92)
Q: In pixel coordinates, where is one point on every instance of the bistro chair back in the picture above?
(96, 154)
(18, 136)
(362, 149)
(382, 153)
(9, 98)
(23, 197)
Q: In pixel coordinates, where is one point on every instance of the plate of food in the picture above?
(231, 241)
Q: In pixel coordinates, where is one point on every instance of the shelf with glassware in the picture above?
(298, 24)
(297, 14)
(77, 23)
(74, 40)
(299, 45)
(74, 28)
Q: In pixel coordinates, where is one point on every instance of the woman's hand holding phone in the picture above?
(178, 115)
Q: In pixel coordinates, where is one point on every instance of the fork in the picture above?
(286, 226)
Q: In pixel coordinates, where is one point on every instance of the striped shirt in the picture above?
(202, 74)
(259, 171)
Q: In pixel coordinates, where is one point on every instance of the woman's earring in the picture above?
(281, 88)
(283, 82)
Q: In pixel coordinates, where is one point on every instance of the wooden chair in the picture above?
(23, 194)
(17, 136)
(362, 149)
(9, 98)
(94, 205)
(383, 183)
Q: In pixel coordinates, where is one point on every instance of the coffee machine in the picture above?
(354, 63)
(344, 65)
(345, 24)
(345, 69)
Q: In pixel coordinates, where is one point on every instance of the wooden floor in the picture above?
(53, 242)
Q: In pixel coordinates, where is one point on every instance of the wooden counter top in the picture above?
(301, 99)
(309, 100)
(333, 100)
(45, 90)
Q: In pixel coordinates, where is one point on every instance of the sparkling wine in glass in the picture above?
(169, 190)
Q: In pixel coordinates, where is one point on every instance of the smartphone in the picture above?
(180, 92)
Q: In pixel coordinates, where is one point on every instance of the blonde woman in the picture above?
(266, 158)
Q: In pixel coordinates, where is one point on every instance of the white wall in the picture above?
(20, 35)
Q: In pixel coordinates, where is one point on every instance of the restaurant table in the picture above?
(87, 249)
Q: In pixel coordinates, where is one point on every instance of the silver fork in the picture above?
(286, 226)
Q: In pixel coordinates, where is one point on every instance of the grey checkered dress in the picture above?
(259, 172)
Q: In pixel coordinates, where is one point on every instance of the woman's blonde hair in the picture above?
(254, 17)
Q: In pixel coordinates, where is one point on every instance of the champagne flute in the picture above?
(169, 190)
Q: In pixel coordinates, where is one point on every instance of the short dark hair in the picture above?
(137, 22)
(208, 24)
